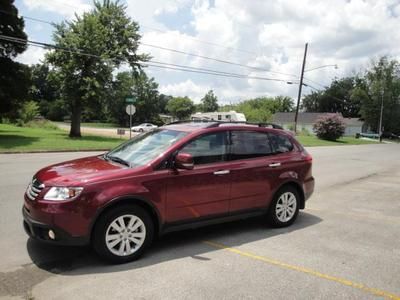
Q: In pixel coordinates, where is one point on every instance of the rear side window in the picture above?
(249, 144)
(210, 148)
(280, 143)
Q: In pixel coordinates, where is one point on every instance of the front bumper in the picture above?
(40, 231)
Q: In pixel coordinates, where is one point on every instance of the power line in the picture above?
(194, 55)
(202, 41)
(155, 63)
(26, 17)
(186, 37)
(220, 72)
(180, 52)
(216, 59)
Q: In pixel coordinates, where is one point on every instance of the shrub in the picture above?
(43, 124)
(329, 127)
(28, 112)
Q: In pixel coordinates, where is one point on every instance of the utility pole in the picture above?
(381, 117)
(300, 87)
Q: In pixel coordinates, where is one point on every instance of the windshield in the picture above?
(145, 147)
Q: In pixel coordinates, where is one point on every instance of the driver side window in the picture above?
(210, 148)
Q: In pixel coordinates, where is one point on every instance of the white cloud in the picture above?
(267, 34)
(185, 88)
(171, 6)
(346, 33)
(64, 8)
(32, 55)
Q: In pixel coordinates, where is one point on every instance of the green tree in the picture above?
(283, 104)
(209, 103)
(180, 107)
(109, 38)
(147, 99)
(14, 77)
(45, 90)
(144, 90)
(337, 98)
(122, 88)
(261, 109)
(380, 81)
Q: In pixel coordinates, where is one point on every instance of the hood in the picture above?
(78, 171)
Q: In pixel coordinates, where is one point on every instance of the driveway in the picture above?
(346, 244)
(110, 132)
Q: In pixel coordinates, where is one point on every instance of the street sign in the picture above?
(130, 109)
(130, 100)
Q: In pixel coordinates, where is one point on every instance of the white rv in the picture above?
(231, 116)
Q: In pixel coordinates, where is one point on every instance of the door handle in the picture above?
(274, 165)
(222, 172)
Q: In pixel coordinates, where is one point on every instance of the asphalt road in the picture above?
(346, 244)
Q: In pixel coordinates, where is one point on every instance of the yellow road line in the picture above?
(384, 219)
(311, 272)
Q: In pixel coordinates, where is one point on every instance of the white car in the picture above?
(145, 127)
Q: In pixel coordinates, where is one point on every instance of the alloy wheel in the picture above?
(286, 206)
(125, 235)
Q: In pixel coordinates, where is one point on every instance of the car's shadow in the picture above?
(189, 243)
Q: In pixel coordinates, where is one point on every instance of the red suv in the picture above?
(178, 176)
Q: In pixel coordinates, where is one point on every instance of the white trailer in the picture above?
(230, 116)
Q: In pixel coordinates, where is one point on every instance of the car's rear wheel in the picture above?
(123, 233)
(285, 207)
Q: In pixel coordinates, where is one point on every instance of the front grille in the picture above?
(34, 189)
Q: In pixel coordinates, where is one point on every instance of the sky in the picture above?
(268, 35)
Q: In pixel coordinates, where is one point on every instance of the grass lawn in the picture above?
(21, 139)
(25, 139)
(309, 141)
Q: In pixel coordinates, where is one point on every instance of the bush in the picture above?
(28, 112)
(43, 124)
(329, 127)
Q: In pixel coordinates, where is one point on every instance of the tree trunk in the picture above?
(75, 130)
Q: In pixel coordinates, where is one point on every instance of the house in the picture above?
(306, 120)
(353, 126)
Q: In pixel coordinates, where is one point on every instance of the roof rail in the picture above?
(215, 123)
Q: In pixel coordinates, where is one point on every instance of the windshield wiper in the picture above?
(117, 159)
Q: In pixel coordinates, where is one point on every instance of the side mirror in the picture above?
(184, 161)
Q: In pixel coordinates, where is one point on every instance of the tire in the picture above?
(141, 130)
(281, 215)
(125, 243)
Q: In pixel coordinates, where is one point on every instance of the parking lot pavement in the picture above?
(346, 244)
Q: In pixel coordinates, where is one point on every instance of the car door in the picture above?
(205, 190)
(251, 158)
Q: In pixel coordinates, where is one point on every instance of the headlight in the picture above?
(62, 193)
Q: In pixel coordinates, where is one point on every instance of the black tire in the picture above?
(141, 130)
(99, 234)
(272, 215)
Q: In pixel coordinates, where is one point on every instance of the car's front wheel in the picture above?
(123, 233)
(285, 207)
